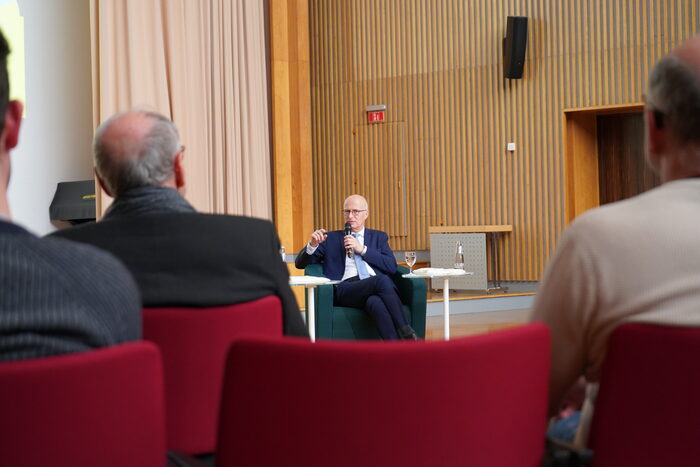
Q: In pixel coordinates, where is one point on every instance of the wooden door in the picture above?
(622, 170)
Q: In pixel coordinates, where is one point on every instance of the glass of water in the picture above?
(410, 260)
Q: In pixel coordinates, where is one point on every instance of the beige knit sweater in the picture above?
(635, 260)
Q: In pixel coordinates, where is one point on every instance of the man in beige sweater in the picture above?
(637, 259)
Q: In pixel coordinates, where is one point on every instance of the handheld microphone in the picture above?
(348, 251)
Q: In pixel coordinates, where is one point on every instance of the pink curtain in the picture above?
(203, 64)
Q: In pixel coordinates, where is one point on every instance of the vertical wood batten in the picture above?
(437, 65)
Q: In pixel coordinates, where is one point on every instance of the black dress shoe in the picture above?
(408, 333)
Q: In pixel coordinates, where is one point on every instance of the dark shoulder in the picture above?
(54, 246)
(76, 264)
(253, 222)
(95, 278)
(253, 227)
(187, 221)
(79, 255)
(75, 231)
(378, 233)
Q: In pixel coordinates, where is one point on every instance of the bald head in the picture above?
(689, 53)
(355, 211)
(136, 148)
(357, 200)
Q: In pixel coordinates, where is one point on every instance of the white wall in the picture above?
(56, 136)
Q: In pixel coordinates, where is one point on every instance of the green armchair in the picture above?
(337, 322)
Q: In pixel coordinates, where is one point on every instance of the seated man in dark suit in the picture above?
(363, 263)
(56, 297)
(179, 257)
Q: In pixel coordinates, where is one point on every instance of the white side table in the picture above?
(445, 274)
(310, 283)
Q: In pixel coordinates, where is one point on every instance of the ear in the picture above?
(102, 184)
(13, 121)
(178, 167)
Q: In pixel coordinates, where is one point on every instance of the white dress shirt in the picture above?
(350, 266)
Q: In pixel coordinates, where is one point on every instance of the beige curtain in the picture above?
(203, 63)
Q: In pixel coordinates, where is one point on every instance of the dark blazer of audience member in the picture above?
(178, 256)
(56, 296)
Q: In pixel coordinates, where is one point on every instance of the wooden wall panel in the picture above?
(291, 127)
(437, 65)
(380, 149)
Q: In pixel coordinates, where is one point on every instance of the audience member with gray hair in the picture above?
(178, 256)
(152, 163)
(56, 297)
(637, 259)
(138, 161)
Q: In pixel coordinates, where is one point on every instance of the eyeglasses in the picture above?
(354, 212)
(180, 151)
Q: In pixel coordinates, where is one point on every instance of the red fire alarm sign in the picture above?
(375, 113)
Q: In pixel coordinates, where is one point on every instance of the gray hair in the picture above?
(152, 162)
(674, 90)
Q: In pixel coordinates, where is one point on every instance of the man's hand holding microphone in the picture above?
(351, 243)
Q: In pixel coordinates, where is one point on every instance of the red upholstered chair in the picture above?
(194, 343)
(477, 401)
(98, 408)
(648, 410)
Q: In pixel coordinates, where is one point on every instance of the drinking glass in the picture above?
(410, 260)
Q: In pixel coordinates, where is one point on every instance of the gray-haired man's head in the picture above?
(674, 90)
(673, 101)
(134, 149)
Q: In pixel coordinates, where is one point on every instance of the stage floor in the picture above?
(469, 324)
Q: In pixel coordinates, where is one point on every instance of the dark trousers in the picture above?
(378, 296)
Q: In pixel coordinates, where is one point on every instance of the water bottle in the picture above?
(459, 257)
(284, 257)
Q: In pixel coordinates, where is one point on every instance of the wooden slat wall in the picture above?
(437, 65)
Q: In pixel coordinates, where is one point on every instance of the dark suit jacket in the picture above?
(331, 254)
(59, 297)
(198, 260)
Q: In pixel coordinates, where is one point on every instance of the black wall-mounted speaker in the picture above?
(514, 46)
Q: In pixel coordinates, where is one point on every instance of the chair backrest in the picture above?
(103, 407)
(194, 343)
(477, 401)
(647, 412)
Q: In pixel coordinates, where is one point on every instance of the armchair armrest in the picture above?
(414, 294)
(313, 270)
